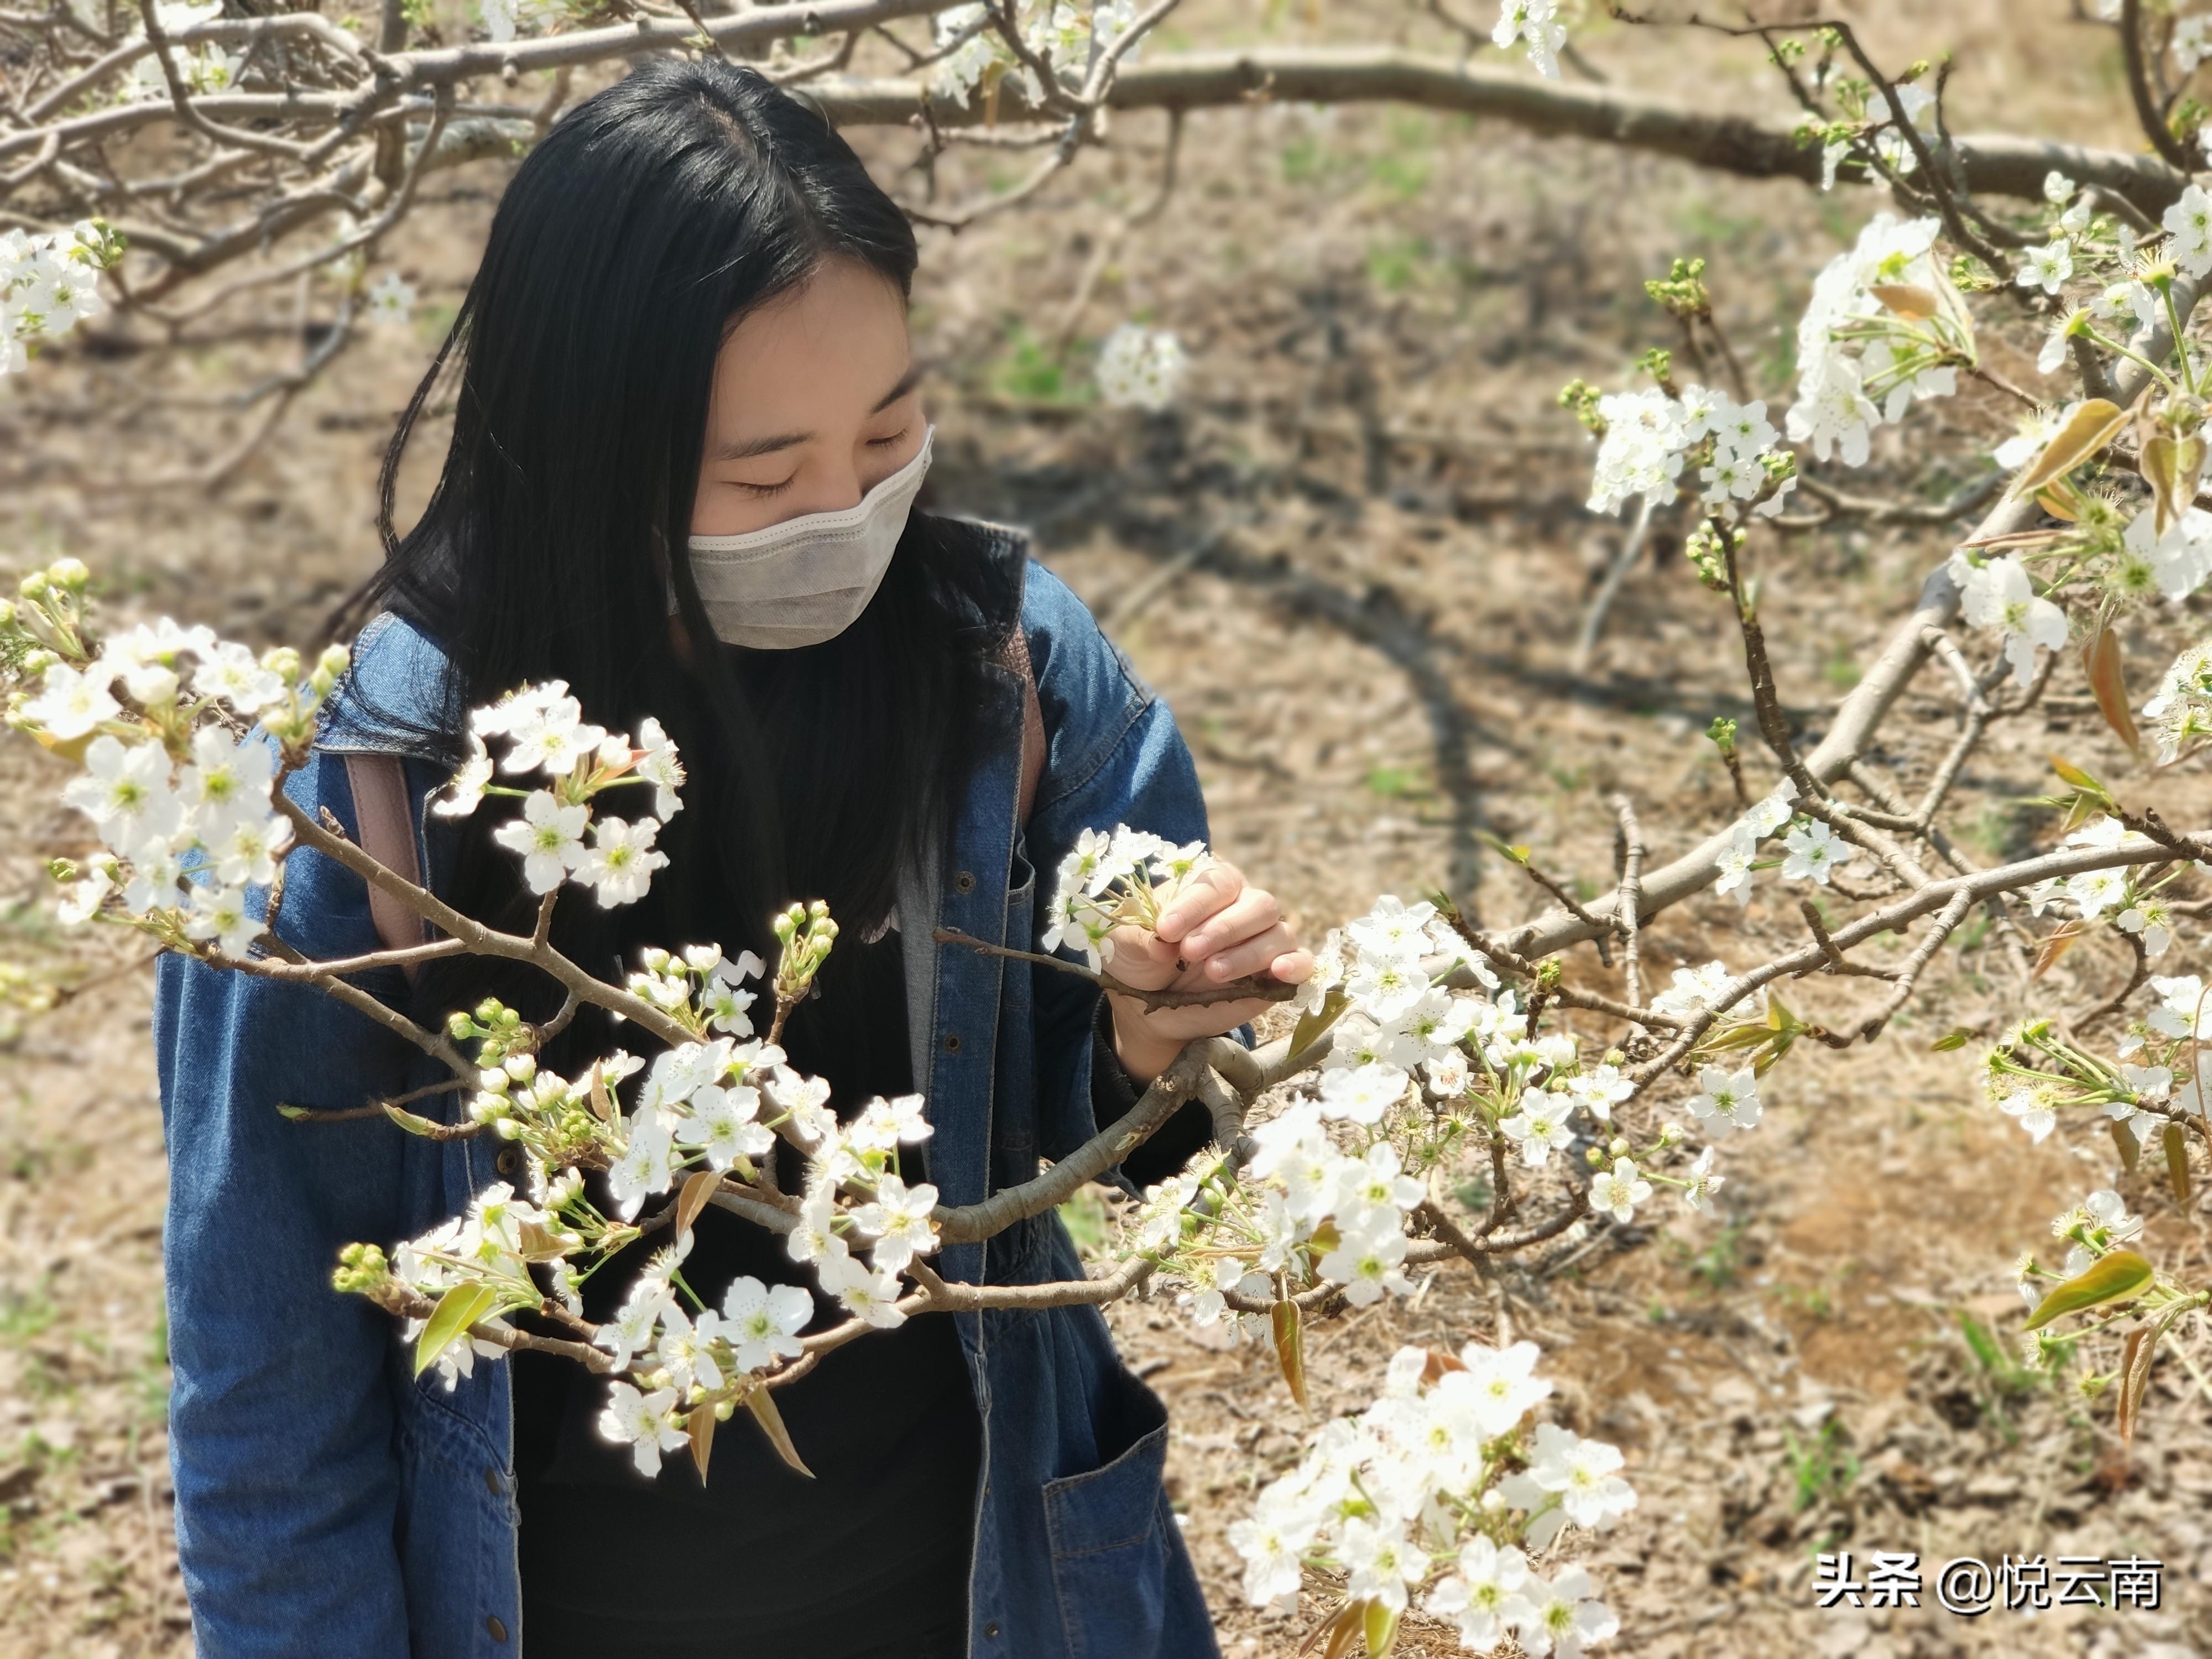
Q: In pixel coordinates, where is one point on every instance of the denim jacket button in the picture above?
(509, 1161)
(952, 1042)
(990, 1629)
(498, 1631)
(491, 1478)
(964, 882)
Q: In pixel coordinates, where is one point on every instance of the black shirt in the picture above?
(871, 1557)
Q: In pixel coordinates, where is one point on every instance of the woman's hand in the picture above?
(1219, 929)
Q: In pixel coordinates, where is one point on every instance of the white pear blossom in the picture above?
(1729, 1100)
(1702, 1183)
(868, 1293)
(620, 864)
(2047, 268)
(1814, 852)
(1540, 1126)
(1693, 990)
(2032, 1108)
(1362, 1093)
(1140, 368)
(648, 1423)
(1999, 595)
(549, 837)
(1367, 1267)
(1536, 23)
(762, 1323)
(1617, 1191)
(1483, 1598)
(897, 1218)
(1565, 1618)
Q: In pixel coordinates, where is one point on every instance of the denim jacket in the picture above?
(330, 1504)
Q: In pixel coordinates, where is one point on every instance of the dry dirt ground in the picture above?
(1354, 563)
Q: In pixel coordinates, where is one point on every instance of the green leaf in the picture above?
(1957, 1037)
(2075, 776)
(1310, 1026)
(458, 1309)
(1381, 1630)
(2112, 1278)
(413, 1124)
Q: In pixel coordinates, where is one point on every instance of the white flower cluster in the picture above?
(506, 19)
(1128, 878)
(203, 66)
(714, 1104)
(1436, 1492)
(1890, 143)
(1414, 1067)
(1537, 22)
(184, 808)
(2181, 706)
(2191, 42)
(2167, 1038)
(1860, 363)
(1068, 38)
(485, 1248)
(1649, 437)
(1140, 368)
(49, 283)
(1812, 851)
(546, 732)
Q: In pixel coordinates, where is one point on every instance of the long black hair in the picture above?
(650, 221)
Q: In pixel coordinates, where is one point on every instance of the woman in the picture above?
(689, 329)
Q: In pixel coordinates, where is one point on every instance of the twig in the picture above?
(1628, 842)
(1264, 989)
(1631, 548)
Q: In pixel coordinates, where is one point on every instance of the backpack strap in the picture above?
(387, 835)
(1033, 733)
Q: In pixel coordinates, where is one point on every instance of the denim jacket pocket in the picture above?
(1109, 1529)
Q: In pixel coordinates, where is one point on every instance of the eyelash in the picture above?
(761, 492)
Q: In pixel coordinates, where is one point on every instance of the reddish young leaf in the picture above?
(698, 1188)
(2101, 661)
(1291, 1348)
(700, 1428)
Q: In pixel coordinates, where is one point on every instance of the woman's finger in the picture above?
(1140, 959)
(1247, 915)
(1212, 888)
(1250, 956)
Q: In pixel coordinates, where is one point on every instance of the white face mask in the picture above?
(808, 578)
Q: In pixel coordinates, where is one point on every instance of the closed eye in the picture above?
(762, 492)
(896, 437)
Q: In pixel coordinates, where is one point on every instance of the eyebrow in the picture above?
(769, 446)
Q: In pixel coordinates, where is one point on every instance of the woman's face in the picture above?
(814, 405)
